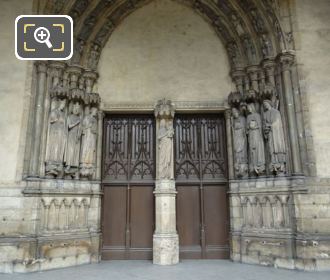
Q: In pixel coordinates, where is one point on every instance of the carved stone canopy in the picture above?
(164, 109)
(235, 99)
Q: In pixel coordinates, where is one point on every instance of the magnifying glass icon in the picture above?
(41, 35)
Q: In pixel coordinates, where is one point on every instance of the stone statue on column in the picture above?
(274, 136)
(88, 145)
(165, 146)
(56, 140)
(73, 143)
(256, 143)
(165, 238)
(239, 144)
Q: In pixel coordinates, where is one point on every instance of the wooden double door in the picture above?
(128, 210)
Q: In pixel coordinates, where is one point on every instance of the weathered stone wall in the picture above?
(163, 50)
(15, 89)
(311, 29)
(44, 224)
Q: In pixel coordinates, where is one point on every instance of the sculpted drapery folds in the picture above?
(56, 140)
(88, 144)
(165, 147)
(256, 143)
(274, 136)
(240, 144)
(73, 142)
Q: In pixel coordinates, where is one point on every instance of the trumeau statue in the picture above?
(88, 145)
(274, 135)
(165, 146)
(56, 140)
(240, 145)
(256, 143)
(73, 143)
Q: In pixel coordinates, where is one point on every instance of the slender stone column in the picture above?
(99, 145)
(38, 120)
(229, 145)
(286, 61)
(165, 239)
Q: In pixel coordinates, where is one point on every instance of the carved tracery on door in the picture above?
(129, 149)
(128, 183)
(200, 148)
(201, 180)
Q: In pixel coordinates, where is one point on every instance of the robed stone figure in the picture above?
(274, 135)
(165, 146)
(73, 143)
(240, 143)
(88, 144)
(256, 142)
(56, 139)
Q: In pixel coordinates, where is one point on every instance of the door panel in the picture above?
(216, 221)
(142, 217)
(201, 179)
(128, 183)
(115, 216)
(188, 217)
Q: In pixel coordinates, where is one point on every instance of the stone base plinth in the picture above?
(165, 249)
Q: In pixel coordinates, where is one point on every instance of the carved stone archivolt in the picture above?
(245, 27)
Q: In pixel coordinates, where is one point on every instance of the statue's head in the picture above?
(76, 108)
(235, 113)
(94, 111)
(250, 108)
(62, 104)
(53, 105)
(267, 104)
(162, 123)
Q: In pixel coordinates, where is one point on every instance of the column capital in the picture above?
(253, 72)
(57, 64)
(164, 109)
(74, 69)
(89, 74)
(286, 60)
(238, 73)
(42, 66)
(269, 64)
